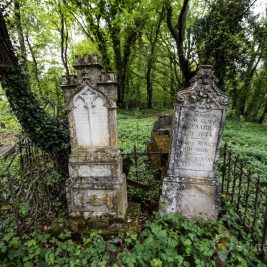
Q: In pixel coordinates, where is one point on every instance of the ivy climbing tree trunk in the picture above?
(48, 133)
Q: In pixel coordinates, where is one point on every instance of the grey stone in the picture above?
(190, 186)
(96, 184)
(7, 150)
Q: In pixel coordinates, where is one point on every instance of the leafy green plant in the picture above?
(169, 240)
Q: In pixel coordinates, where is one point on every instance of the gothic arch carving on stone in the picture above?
(90, 117)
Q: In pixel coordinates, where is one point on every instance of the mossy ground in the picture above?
(106, 225)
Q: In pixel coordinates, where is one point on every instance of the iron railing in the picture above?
(245, 190)
(247, 193)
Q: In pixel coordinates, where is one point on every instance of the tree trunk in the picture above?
(178, 34)
(19, 27)
(48, 133)
(122, 61)
(121, 79)
(149, 86)
(262, 117)
(64, 42)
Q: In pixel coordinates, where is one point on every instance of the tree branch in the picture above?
(169, 21)
(179, 36)
(2, 8)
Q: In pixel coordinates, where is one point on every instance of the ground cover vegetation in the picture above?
(155, 47)
(161, 241)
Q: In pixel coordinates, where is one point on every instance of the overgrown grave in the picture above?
(96, 188)
(243, 188)
(190, 186)
(159, 147)
(176, 238)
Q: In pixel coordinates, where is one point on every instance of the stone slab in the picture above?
(190, 186)
(90, 117)
(96, 184)
(107, 225)
(192, 200)
(7, 150)
(197, 139)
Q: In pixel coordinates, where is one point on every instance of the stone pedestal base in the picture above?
(192, 200)
(95, 187)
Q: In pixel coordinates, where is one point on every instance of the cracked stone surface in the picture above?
(190, 186)
(96, 184)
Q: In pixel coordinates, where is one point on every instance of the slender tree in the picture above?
(178, 33)
(114, 24)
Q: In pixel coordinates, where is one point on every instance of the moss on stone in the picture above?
(106, 225)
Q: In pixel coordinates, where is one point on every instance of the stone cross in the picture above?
(190, 187)
(96, 184)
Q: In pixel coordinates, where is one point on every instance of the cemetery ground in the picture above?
(35, 229)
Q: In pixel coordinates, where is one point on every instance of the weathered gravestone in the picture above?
(159, 147)
(96, 185)
(190, 187)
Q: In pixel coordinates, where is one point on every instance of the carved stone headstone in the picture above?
(190, 187)
(96, 185)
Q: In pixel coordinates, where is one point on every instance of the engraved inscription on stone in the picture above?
(193, 202)
(197, 139)
(190, 186)
(94, 171)
(94, 198)
(91, 119)
(96, 184)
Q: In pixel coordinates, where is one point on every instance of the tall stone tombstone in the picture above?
(190, 187)
(96, 184)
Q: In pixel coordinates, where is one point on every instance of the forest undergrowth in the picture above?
(161, 240)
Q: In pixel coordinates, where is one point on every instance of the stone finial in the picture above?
(90, 72)
(71, 80)
(89, 69)
(205, 74)
(108, 77)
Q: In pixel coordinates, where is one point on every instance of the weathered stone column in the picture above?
(190, 187)
(96, 184)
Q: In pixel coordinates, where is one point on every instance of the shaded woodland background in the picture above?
(155, 48)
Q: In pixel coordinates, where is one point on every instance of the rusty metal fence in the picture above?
(28, 175)
(247, 193)
(245, 190)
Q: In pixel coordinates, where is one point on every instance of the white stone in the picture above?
(191, 187)
(94, 171)
(197, 140)
(90, 118)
